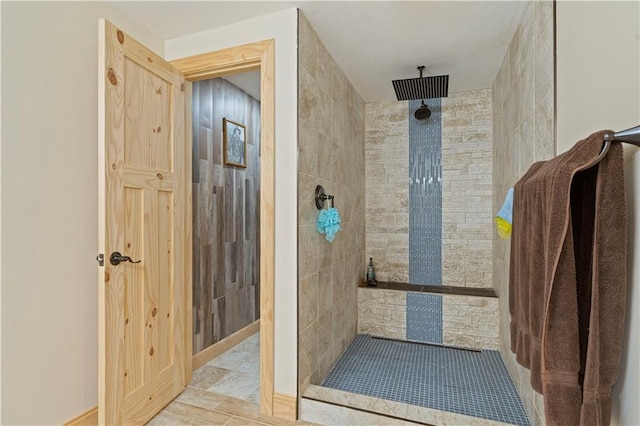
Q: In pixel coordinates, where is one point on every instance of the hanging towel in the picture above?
(567, 280)
(504, 218)
(329, 223)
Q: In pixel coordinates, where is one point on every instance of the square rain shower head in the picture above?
(422, 88)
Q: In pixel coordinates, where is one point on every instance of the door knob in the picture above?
(116, 258)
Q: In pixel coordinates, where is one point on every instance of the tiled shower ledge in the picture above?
(331, 406)
(438, 289)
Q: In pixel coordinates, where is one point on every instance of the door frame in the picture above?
(259, 55)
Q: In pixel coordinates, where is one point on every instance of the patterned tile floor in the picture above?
(198, 407)
(224, 391)
(471, 383)
(235, 373)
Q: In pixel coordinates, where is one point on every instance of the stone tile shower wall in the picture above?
(523, 126)
(465, 321)
(434, 225)
(387, 190)
(467, 216)
(330, 153)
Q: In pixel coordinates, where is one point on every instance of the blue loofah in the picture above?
(506, 211)
(504, 218)
(329, 223)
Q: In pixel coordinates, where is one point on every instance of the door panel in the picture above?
(134, 319)
(144, 318)
(147, 100)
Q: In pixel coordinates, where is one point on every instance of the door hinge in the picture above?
(100, 259)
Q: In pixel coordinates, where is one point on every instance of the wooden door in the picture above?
(145, 344)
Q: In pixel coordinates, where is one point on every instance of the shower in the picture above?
(423, 112)
(422, 88)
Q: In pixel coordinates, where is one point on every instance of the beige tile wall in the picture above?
(523, 132)
(382, 313)
(330, 153)
(467, 321)
(470, 321)
(387, 187)
(466, 191)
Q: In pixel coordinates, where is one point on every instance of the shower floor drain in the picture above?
(415, 342)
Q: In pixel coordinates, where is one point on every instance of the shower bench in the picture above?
(464, 317)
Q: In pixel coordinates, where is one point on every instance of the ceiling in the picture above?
(373, 42)
(248, 81)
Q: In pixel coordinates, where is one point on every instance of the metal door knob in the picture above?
(116, 258)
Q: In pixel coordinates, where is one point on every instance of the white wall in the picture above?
(598, 63)
(0, 219)
(49, 207)
(626, 410)
(598, 81)
(282, 27)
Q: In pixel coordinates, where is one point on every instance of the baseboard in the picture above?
(88, 418)
(206, 355)
(285, 406)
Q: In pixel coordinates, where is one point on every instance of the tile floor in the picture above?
(475, 384)
(198, 407)
(225, 391)
(235, 373)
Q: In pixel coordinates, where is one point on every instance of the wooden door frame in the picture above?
(259, 55)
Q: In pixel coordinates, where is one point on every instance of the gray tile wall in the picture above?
(425, 195)
(424, 317)
(424, 311)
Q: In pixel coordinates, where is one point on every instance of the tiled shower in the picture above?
(427, 220)
(439, 232)
(442, 165)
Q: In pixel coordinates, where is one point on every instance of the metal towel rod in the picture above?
(631, 136)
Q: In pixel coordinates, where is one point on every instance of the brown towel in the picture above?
(567, 280)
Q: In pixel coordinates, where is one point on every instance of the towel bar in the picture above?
(631, 136)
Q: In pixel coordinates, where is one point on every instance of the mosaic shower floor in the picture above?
(465, 382)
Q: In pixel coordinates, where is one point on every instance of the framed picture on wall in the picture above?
(234, 136)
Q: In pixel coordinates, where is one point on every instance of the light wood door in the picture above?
(145, 326)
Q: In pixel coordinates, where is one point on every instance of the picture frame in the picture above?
(234, 136)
